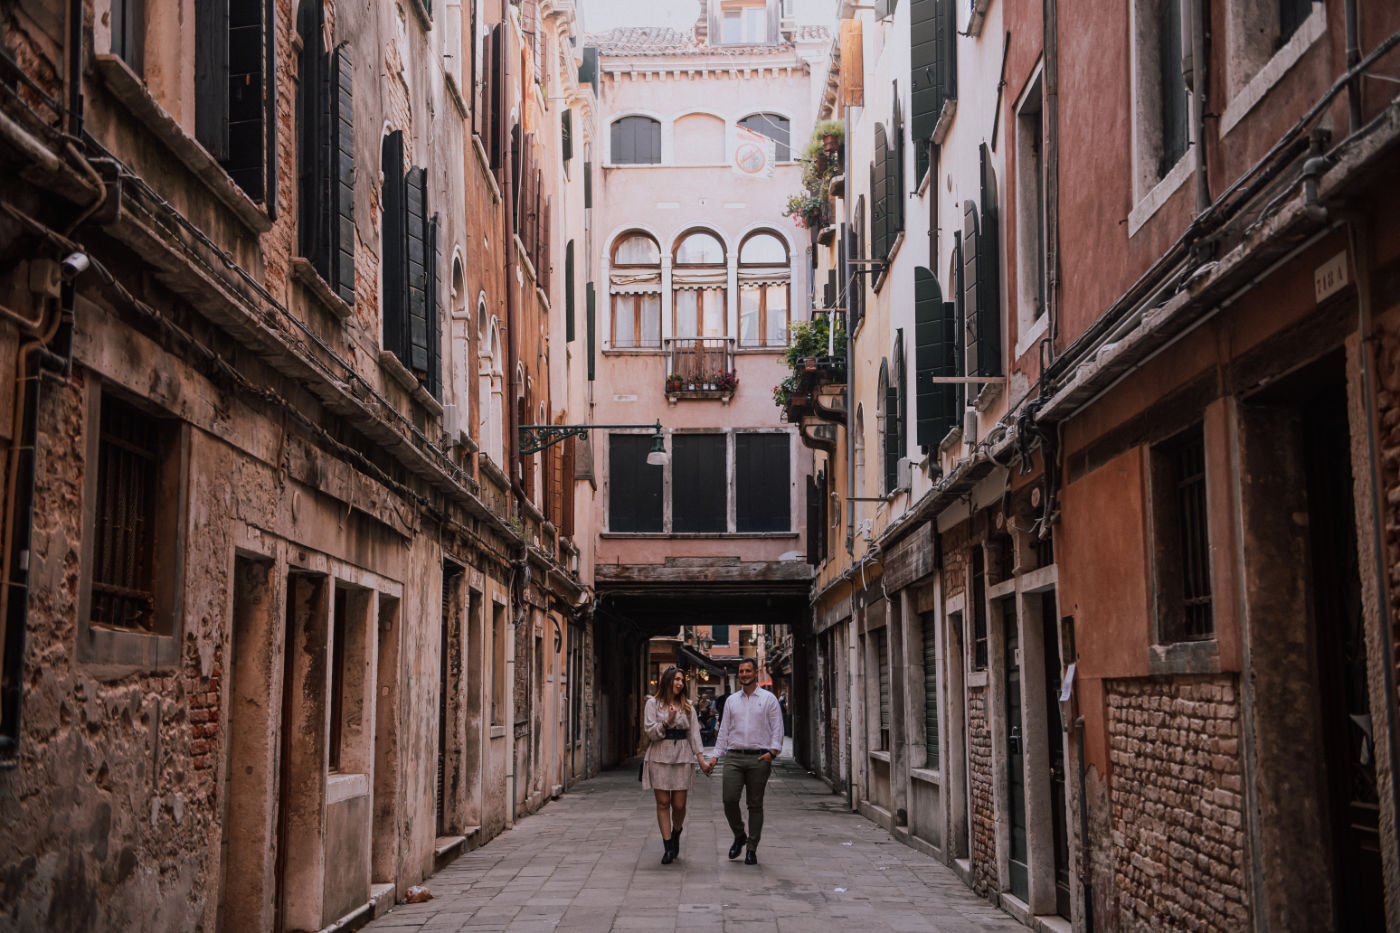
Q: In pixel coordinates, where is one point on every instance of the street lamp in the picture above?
(536, 437)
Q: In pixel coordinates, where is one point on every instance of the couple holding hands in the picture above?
(750, 737)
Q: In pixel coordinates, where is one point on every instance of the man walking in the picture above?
(750, 737)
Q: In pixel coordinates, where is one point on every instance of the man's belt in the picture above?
(751, 751)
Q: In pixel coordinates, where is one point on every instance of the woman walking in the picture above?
(671, 725)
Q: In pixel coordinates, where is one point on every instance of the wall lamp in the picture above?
(536, 437)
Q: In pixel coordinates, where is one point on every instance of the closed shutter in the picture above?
(495, 148)
(267, 167)
(901, 393)
(314, 140)
(933, 62)
(972, 307)
(894, 173)
(546, 260)
(416, 239)
(935, 348)
(444, 652)
(880, 198)
(762, 482)
(587, 185)
(634, 486)
(882, 652)
(211, 76)
(393, 261)
(342, 182)
(892, 451)
(821, 511)
(569, 292)
(588, 70)
(930, 690)
(699, 498)
(247, 107)
(1175, 99)
(128, 21)
(989, 276)
(813, 523)
(566, 505)
(434, 258)
(829, 290)
(566, 134)
(591, 311)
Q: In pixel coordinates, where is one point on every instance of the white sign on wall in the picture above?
(751, 154)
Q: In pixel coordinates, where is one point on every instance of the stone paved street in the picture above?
(590, 861)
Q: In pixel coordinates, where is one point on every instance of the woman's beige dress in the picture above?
(670, 763)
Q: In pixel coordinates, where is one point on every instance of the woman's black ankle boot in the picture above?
(675, 843)
(669, 855)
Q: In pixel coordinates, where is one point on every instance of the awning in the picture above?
(693, 658)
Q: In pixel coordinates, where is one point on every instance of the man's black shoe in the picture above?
(738, 846)
(751, 857)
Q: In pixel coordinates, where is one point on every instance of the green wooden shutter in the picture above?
(971, 303)
(891, 427)
(434, 311)
(569, 292)
(392, 259)
(902, 393)
(211, 76)
(416, 233)
(813, 523)
(925, 80)
(591, 310)
(989, 276)
(587, 185)
(930, 690)
(312, 142)
(879, 197)
(894, 172)
(882, 651)
(342, 181)
(566, 134)
(935, 354)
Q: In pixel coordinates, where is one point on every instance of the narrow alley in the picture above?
(590, 862)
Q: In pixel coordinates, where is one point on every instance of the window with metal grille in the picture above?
(1181, 538)
(928, 622)
(881, 647)
(979, 611)
(337, 691)
(128, 469)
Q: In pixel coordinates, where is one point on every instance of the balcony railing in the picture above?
(700, 367)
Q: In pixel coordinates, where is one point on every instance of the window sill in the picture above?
(1151, 202)
(700, 395)
(987, 396)
(484, 164)
(698, 535)
(345, 787)
(879, 756)
(425, 19)
(1312, 29)
(888, 261)
(395, 368)
(1185, 657)
(305, 273)
(455, 92)
(927, 776)
(128, 88)
(977, 678)
(945, 121)
(632, 351)
(114, 653)
(950, 440)
(1032, 335)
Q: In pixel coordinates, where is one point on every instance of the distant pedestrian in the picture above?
(750, 738)
(672, 727)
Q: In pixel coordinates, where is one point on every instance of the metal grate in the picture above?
(1188, 463)
(127, 462)
(882, 647)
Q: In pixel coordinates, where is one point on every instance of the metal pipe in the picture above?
(1199, 73)
(848, 280)
(1084, 872)
(1050, 114)
(1353, 41)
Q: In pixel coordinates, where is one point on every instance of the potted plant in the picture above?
(782, 392)
(832, 134)
(805, 209)
(674, 382)
(726, 382)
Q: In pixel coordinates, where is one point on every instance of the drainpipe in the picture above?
(847, 280)
(1353, 38)
(1196, 79)
(1360, 243)
(1051, 109)
(1085, 876)
(512, 311)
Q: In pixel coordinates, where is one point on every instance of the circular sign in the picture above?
(751, 159)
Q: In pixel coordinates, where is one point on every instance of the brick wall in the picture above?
(1388, 412)
(979, 753)
(1175, 797)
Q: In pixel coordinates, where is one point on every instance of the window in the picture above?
(1174, 97)
(566, 134)
(636, 292)
(979, 610)
(698, 139)
(1030, 184)
(762, 481)
(634, 486)
(128, 24)
(981, 279)
(933, 71)
(698, 277)
(892, 379)
(929, 624)
(765, 290)
(938, 405)
(326, 156)
(234, 106)
(1161, 126)
(699, 480)
(569, 288)
(636, 141)
(337, 685)
(880, 644)
(719, 635)
(409, 265)
(498, 664)
(776, 128)
(1264, 39)
(744, 22)
(1181, 537)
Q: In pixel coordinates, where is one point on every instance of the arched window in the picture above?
(775, 128)
(765, 290)
(635, 285)
(698, 278)
(636, 141)
(698, 139)
(490, 412)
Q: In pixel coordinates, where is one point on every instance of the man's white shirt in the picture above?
(751, 722)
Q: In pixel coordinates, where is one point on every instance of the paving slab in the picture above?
(591, 861)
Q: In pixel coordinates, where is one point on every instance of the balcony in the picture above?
(700, 368)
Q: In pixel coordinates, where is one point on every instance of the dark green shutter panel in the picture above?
(762, 481)
(569, 292)
(930, 690)
(591, 310)
(342, 182)
(587, 185)
(588, 70)
(566, 134)
(989, 276)
(417, 255)
(699, 498)
(634, 486)
(813, 523)
(892, 449)
(880, 195)
(933, 63)
(393, 278)
(829, 290)
(902, 392)
(246, 97)
(935, 354)
(882, 651)
(270, 109)
(971, 302)
(434, 312)
(894, 174)
(312, 139)
(211, 76)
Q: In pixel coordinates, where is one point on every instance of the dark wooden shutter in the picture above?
(930, 690)
(566, 134)
(268, 168)
(989, 275)
(313, 139)
(392, 254)
(634, 486)
(211, 77)
(247, 97)
(880, 197)
(416, 238)
(699, 477)
(935, 354)
(1174, 96)
(894, 172)
(587, 185)
(495, 149)
(546, 259)
(129, 32)
(891, 426)
(762, 481)
(898, 377)
(933, 63)
(813, 522)
(444, 668)
(566, 506)
(829, 290)
(971, 305)
(434, 259)
(591, 311)
(588, 69)
(882, 659)
(342, 181)
(569, 292)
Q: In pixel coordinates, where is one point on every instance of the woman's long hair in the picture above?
(664, 681)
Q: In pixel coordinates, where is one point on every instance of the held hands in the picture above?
(707, 765)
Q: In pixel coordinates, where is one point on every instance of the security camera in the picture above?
(74, 265)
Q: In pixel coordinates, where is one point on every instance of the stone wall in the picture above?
(1177, 812)
(979, 753)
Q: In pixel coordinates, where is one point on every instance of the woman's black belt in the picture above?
(676, 733)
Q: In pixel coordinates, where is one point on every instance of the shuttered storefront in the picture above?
(929, 626)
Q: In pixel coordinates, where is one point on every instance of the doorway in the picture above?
(1051, 654)
(1019, 851)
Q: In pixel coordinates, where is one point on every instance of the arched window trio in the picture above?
(695, 138)
(699, 289)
